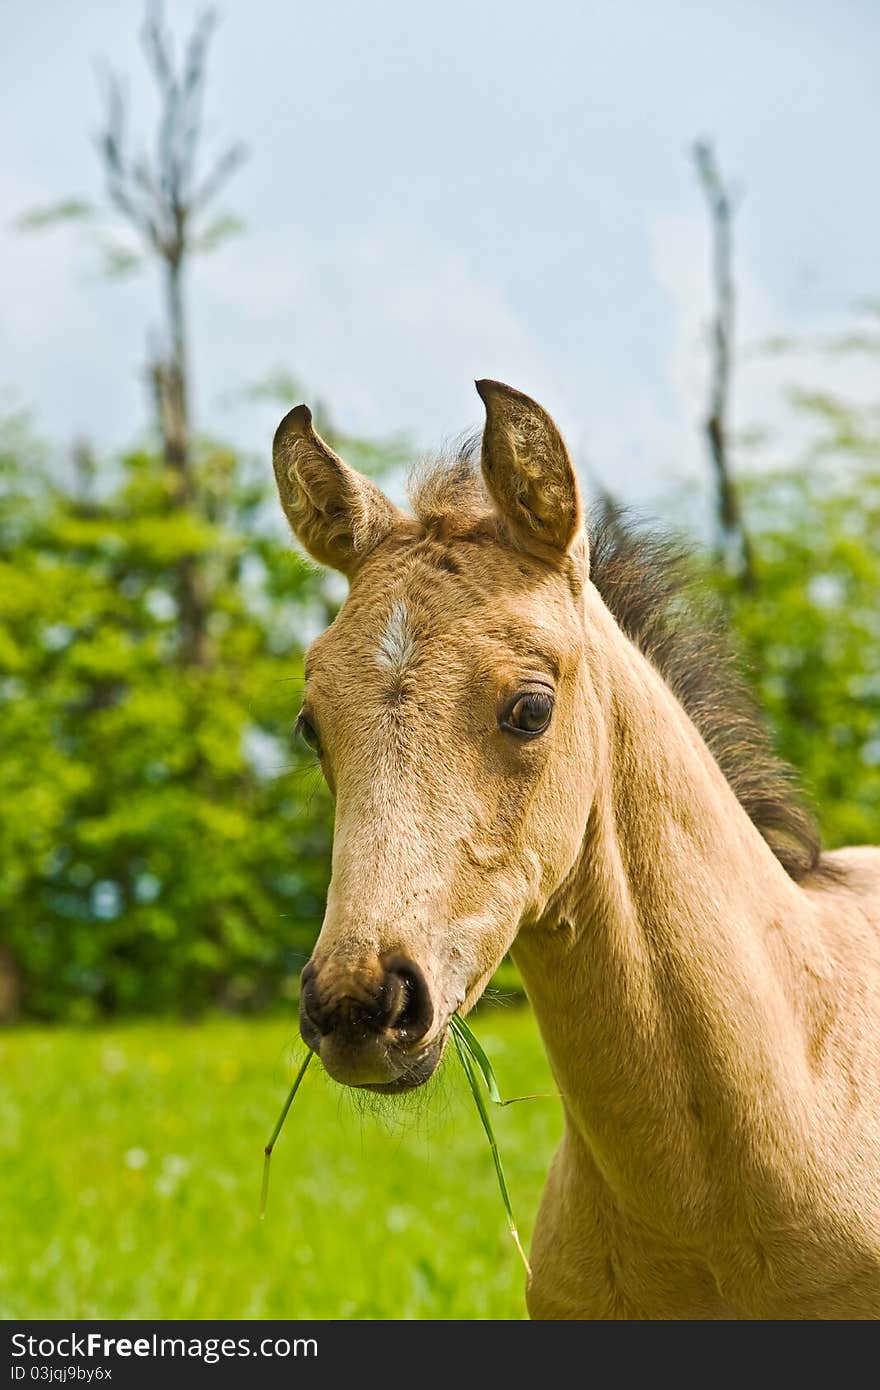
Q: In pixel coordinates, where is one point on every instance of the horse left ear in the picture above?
(528, 471)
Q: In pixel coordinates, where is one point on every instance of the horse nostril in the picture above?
(391, 998)
(410, 1011)
(309, 1001)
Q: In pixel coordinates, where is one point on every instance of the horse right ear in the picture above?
(528, 472)
(337, 514)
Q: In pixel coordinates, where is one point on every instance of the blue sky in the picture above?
(442, 192)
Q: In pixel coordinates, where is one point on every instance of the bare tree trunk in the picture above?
(162, 199)
(173, 415)
(733, 540)
(169, 390)
(10, 987)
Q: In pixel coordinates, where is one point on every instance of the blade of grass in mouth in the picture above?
(476, 1066)
(264, 1192)
(475, 1063)
(464, 1034)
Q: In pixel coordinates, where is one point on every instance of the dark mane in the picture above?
(650, 583)
(648, 580)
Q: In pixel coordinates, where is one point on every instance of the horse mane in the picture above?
(650, 582)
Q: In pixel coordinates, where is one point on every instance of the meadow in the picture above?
(130, 1163)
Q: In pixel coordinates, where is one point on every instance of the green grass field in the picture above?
(130, 1163)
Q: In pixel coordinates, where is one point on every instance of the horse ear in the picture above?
(528, 471)
(337, 514)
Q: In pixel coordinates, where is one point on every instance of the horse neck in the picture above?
(654, 972)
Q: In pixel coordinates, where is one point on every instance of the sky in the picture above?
(441, 192)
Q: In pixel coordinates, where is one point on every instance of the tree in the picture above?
(165, 199)
(811, 629)
(163, 845)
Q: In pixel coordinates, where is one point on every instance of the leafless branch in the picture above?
(163, 196)
(228, 164)
(733, 537)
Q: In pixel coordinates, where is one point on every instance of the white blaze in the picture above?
(397, 645)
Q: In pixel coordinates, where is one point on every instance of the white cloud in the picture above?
(391, 327)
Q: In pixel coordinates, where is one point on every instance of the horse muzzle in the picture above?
(368, 1021)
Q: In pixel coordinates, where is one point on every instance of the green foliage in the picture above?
(130, 1179)
(65, 210)
(162, 844)
(217, 232)
(811, 631)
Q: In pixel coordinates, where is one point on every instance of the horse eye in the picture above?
(529, 714)
(308, 733)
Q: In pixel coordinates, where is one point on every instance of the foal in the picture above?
(532, 753)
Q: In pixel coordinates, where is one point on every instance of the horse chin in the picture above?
(416, 1073)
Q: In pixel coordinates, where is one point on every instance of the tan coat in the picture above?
(708, 989)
